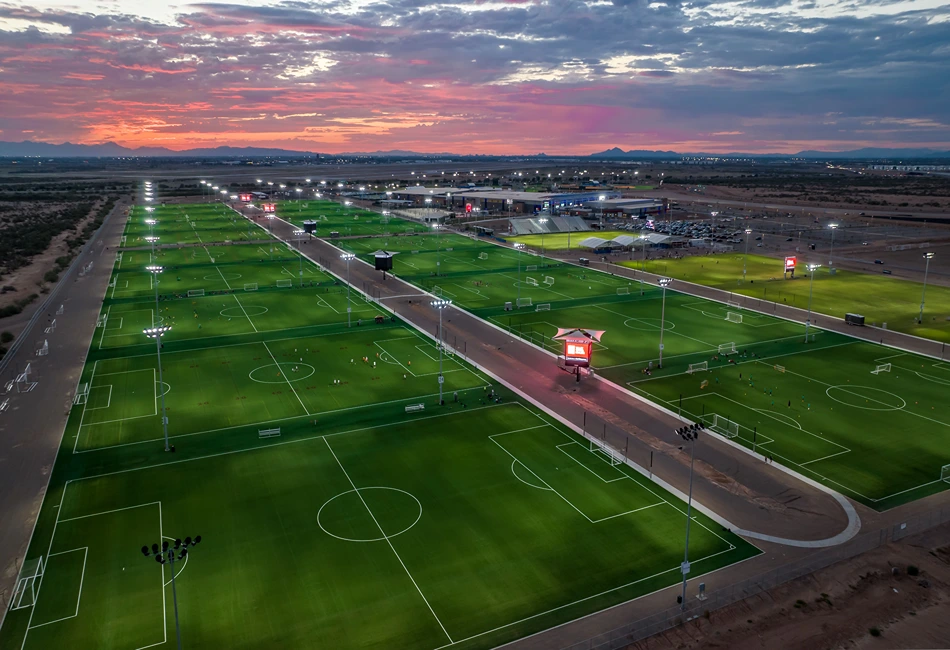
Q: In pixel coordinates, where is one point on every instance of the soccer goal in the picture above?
(437, 291)
(82, 394)
(623, 291)
(533, 282)
(697, 367)
(549, 281)
(883, 367)
(779, 368)
(28, 584)
(613, 456)
(483, 256)
(724, 426)
(728, 348)
(286, 282)
(250, 286)
(43, 350)
(524, 302)
(734, 305)
(196, 293)
(531, 267)
(733, 317)
(945, 473)
(544, 306)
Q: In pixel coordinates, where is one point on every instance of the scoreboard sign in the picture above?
(246, 198)
(578, 346)
(468, 207)
(790, 263)
(269, 207)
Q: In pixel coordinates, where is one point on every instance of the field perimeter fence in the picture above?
(721, 597)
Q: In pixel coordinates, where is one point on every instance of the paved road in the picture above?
(31, 429)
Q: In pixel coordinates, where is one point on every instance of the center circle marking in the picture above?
(852, 395)
(286, 372)
(368, 539)
(234, 312)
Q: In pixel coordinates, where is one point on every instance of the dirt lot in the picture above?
(839, 607)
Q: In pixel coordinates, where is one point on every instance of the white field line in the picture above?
(388, 541)
(289, 383)
(85, 550)
(244, 310)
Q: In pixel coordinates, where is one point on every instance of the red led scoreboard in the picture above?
(790, 263)
(246, 198)
(269, 207)
(578, 346)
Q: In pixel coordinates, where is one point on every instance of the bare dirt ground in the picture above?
(839, 607)
(29, 279)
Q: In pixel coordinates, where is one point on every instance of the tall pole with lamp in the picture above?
(928, 257)
(811, 285)
(748, 233)
(157, 332)
(346, 257)
(519, 247)
(440, 305)
(688, 434)
(165, 552)
(831, 255)
(664, 282)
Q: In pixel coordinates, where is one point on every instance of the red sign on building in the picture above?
(246, 198)
(269, 207)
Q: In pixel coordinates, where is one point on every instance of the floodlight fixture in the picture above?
(441, 304)
(346, 257)
(811, 285)
(168, 554)
(927, 256)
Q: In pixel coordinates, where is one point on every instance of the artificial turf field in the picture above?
(881, 439)
(331, 216)
(564, 240)
(880, 298)
(361, 524)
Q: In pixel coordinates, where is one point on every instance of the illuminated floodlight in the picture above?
(149, 208)
(323, 182)
(518, 245)
(298, 233)
(224, 192)
(307, 179)
(283, 187)
(150, 222)
(271, 183)
(156, 332)
(154, 269)
(151, 240)
(298, 190)
(259, 181)
(347, 203)
(346, 257)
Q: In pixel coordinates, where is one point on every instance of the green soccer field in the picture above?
(348, 221)
(881, 299)
(833, 421)
(338, 502)
(564, 240)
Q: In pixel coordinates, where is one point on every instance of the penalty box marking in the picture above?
(82, 577)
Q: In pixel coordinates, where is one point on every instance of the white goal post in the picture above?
(613, 456)
(531, 281)
(287, 282)
(724, 426)
(483, 256)
(883, 367)
(524, 302)
(437, 291)
(531, 267)
(548, 280)
(250, 286)
(733, 305)
(728, 348)
(945, 473)
(697, 367)
(27, 584)
(733, 317)
(196, 293)
(623, 291)
(545, 306)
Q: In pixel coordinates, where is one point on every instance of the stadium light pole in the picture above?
(519, 247)
(688, 434)
(831, 255)
(157, 333)
(166, 553)
(438, 248)
(748, 233)
(664, 282)
(928, 257)
(346, 257)
(811, 285)
(298, 234)
(440, 305)
(298, 191)
(542, 220)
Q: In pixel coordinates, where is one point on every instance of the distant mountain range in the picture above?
(29, 148)
(113, 150)
(868, 152)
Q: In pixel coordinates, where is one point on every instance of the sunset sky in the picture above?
(500, 77)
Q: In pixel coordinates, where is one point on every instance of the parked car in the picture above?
(886, 272)
(878, 262)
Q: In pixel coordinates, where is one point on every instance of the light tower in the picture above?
(831, 255)
(748, 233)
(440, 305)
(166, 553)
(346, 257)
(811, 285)
(519, 247)
(928, 257)
(688, 434)
(664, 282)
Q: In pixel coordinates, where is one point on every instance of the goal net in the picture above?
(533, 282)
(733, 317)
(548, 280)
(28, 584)
(724, 426)
(945, 473)
(531, 267)
(287, 282)
(728, 348)
(437, 291)
(524, 302)
(623, 291)
(883, 367)
(613, 456)
(545, 306)
(483, 256)
(196, 293)
(697, 367)
(82, 394)
(250, 286)
(779, 368)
